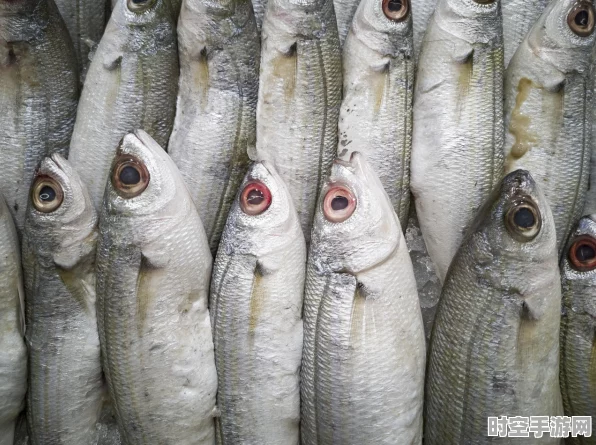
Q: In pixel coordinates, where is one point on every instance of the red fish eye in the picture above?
(339, 204)
(255, 198)
(582, 253)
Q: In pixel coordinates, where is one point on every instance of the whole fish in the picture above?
(256, 314)
(457, 141)
(59, 243)
(13, 352)
(131, 83)
(422, 10)
(518, 18)
(494, 349)
(548, 114)
(39, 89)
(85, 20)
(216, 114)
(153, 276)
(299, 97)
(364, 348)
(376, 113)
(578, 325)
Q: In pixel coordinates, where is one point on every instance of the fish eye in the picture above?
(484, 2)
(582, 253)
(255, 198)
(396, 10)
(581, 19)
(523, 221)
(46, 194)
(139, 5)
(130, 176)
(339, 204)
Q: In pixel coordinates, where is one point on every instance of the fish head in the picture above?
(472, 21)
(564, 35)
(60, 211)
(262, 219)
(212, 22)
(355, 226)
(150, 23)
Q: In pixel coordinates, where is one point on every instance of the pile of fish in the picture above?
(223, 221)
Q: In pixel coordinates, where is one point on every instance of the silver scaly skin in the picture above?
(299, 97)
(578, 325)
(259, 7)
(457, 140)
(518, 17)
(364, 349)
(344, 12)
(153, 271)
(376, 112)
(422, 10)
(494, 349)
(39, 89)
(216, 116)
(13, 352)
(548, 114)
(132, 83)
(66, 387)
(256, 313)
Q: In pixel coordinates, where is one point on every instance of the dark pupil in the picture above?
(136, 2)
(582, 18)
(130, 176)
(255, 197)
(339, 203)
(47, 193)
(585, 252)
(395, 5)
(524, 218)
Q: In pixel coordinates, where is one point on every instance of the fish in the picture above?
(494, 349)
(364, 348)
(548, 104)
(259, 7)
(174, 5)
(39, 90)
(256, 313)
(344, 11)
(422, 10)
(376, 113)
(300, 89)
(518, 18)
(153, 273)
(85, 20)
(457, 140)
(578, 325)
(215, 121)
(13, 352)
(132, 82)
(66, 387)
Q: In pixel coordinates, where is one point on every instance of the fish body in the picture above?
(376, 112)
(153, 275)
(494, 349)
(422, 10)
(59, 241)
(548, 117)
(131, 83)
(344, 12)
(39, 89)
(578, 325)
(13, 352)
(256, 312)
(216, 114)
(299, 97)
(458, 122)
(518, 17)
(364, 349)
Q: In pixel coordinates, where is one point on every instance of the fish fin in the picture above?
(215, 412)
(532, 311)
(69, 256)
(113, 63)
(462, 52)
(153, 257)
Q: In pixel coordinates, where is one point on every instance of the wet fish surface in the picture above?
(548, 114)
(39, 89)
(376, 112)
(153, 273)
(422, 10)
(13, 352)
(457, 138)
(59, 244)
(578, 325)
(256, 312)
(344, 12)
(216, 115)
(132, 83)
(495, 342)
(299, 97)
(364, 348)
(518, 18)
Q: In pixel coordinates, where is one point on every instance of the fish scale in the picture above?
(518, 18)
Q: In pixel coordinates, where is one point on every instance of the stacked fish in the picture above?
(209, 244)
